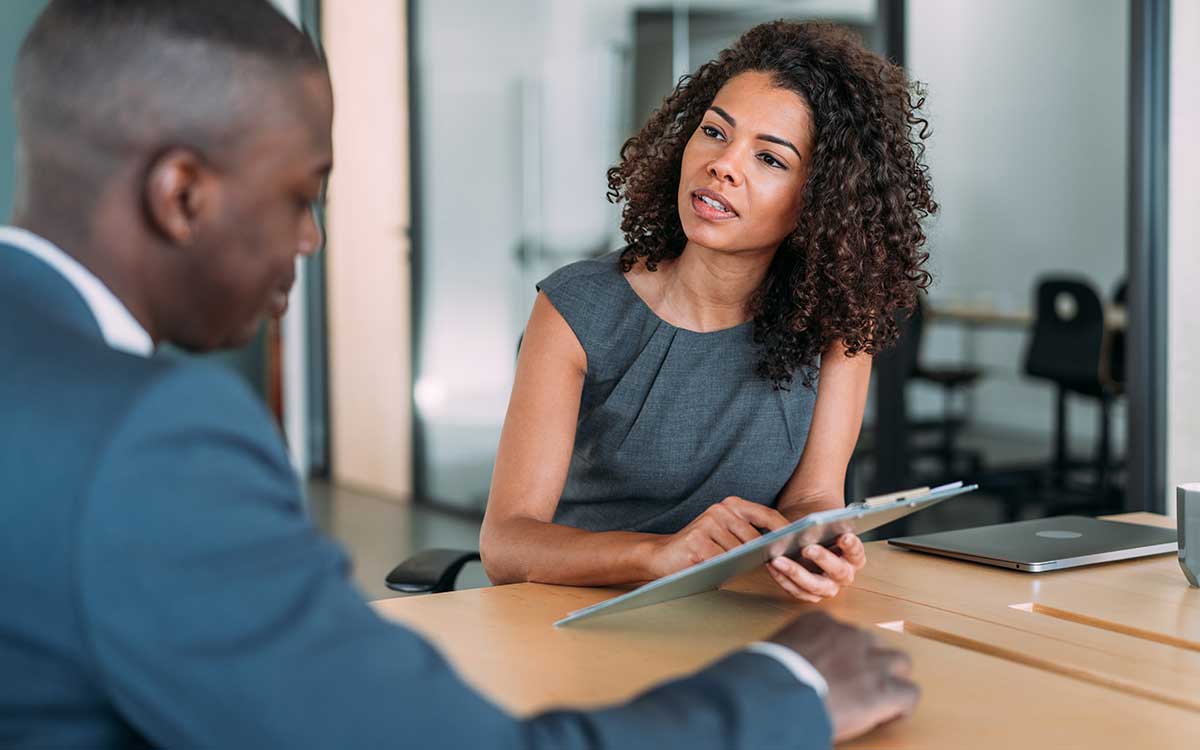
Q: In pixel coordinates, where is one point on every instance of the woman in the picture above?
(708, 381)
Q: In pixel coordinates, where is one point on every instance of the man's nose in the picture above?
(312, 237)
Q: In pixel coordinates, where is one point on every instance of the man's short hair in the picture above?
(98, 77)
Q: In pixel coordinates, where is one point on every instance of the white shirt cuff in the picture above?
(796, 664)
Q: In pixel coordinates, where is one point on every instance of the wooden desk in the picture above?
(1100, 657)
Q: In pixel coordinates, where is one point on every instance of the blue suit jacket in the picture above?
(160, 584)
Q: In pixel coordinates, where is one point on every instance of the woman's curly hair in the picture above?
(856, 256)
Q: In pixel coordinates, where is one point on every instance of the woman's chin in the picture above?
(712, 237)
(717, 243)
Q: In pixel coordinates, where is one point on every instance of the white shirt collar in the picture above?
(120, 329)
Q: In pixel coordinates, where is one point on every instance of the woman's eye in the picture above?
(771, 161)
(710, 131)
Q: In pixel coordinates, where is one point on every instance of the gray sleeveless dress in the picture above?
(671, 421)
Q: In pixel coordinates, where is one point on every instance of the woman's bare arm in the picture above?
(518, 541)
(819, 480)
(818, 483)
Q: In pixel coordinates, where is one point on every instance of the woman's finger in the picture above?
(853, 550)
(742, 529)
(834, 567)
(722, 536)
(806, 581)
(759, 515)
(786, 584)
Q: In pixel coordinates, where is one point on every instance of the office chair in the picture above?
(951, 380)
(430, 571)
(1116, 338)
(904, 359)
(1069, 348)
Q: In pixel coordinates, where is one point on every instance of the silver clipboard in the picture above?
(817, 528)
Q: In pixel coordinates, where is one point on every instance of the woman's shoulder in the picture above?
(595, 286)
(596, 301)
(593, 274)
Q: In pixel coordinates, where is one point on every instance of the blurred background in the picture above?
(1053, 360)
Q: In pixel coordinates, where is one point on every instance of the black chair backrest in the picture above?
(1068, 335)
(908, 346)
(1116, 341)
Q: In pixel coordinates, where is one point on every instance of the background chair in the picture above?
(904, 439)
(1116, 338)
(1069, 349)
(430, 571)
(951, 381)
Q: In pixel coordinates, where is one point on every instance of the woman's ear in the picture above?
(176, 192)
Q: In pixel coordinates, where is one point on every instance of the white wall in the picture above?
(1028, 103)
(367, 265)
(1183, 348)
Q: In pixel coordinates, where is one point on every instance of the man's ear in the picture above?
(176, 193)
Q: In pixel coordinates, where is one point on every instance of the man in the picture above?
(161, 585)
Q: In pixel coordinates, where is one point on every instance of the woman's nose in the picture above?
(725, 169)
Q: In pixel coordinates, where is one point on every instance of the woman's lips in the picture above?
(706, 210)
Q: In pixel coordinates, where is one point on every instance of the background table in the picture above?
(988, 316)
(1099, 657)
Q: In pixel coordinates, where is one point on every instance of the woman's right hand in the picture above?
(720, 527)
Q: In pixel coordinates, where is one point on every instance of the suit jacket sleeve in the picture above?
(217, 616)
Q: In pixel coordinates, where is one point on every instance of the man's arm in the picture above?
(218, 616)
(746, 700)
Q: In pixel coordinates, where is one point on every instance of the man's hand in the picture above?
(868, 685)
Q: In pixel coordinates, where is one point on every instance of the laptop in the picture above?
(1046, 543)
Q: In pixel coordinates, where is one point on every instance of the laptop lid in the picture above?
(1046, 543)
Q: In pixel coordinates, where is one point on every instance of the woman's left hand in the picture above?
(837, 570)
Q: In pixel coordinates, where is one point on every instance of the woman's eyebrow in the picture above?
(781, 142)
(724, 115)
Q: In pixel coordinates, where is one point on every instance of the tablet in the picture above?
(816, 528)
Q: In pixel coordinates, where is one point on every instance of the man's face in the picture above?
(260, 220)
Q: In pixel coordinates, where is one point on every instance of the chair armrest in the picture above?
(431, 571)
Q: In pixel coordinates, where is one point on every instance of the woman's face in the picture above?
(744, 168)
